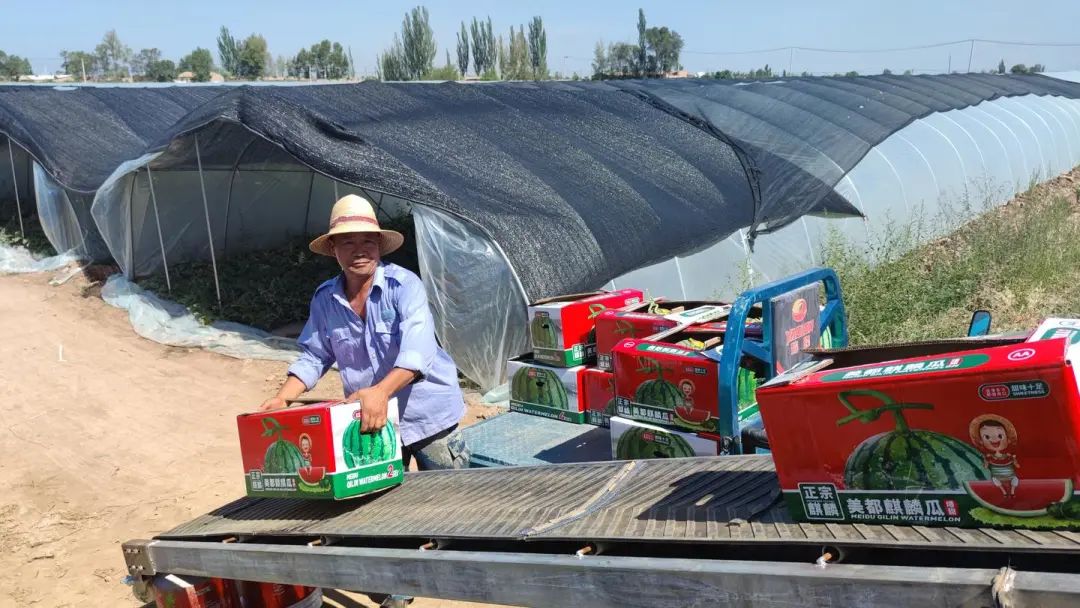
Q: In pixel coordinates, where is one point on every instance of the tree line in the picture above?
(656, 53)
(767, 72)
(519, 55)
(522, 55)
(241, 59)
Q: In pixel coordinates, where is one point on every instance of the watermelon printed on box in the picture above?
(318, 451)
(597, 395)
(542, 390)
(634, 440)
(666, 383)
(562, 329)
(984, 436)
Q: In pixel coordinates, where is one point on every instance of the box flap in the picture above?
(800, 370)
(876, 353)
(570, 297)
(701, 314)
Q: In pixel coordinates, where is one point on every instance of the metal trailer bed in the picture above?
(683, 532)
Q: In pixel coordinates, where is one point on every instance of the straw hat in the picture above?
(352, 213)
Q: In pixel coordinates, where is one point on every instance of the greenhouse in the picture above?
(517, 191)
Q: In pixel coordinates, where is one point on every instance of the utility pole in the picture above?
(82, 62)
(971, 53)
(790, 57)
(948, 70)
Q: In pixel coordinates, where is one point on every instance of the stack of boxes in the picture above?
(612, 359)
(556, 380)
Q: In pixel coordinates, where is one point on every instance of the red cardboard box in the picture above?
(318, 451)
(663, 383)
(597, 395)
(543, 390)
(614, 326)
(958, 433)
(276, 595)
(561, 328)
(633, 440)
(172, 591)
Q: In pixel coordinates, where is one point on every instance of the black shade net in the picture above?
(577, 182)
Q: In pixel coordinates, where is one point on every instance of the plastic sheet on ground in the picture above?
(16, 260)
(170, 323)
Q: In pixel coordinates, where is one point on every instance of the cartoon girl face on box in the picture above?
(305, 448)
(687, 388)
(996, 438)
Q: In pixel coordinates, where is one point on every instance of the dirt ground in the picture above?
(106, 437)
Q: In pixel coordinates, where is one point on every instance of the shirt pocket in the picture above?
(387, 334)
(344, 345)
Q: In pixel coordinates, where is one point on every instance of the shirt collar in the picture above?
(379, 282)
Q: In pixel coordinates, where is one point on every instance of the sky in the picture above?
(717, 34)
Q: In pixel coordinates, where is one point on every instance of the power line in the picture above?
(773, 50)
(1055, 44)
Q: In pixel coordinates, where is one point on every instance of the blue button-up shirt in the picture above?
(398, 331)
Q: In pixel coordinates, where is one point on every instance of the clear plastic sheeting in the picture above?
(113, 214)
(170, 323)
(65, 218)
(17, 260)
(942, 169)
(475, 297)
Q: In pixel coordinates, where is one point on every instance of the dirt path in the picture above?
(104, 437)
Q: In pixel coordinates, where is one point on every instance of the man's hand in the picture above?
(373, 408)
(291, 389)
(273, 403)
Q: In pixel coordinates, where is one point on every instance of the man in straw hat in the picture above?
(373, 320)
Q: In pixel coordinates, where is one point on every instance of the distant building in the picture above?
(190, 77)
(47, 78)
(677, 74)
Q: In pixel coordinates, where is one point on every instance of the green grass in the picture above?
(266, 289)
(1021, 262)
(34, 239)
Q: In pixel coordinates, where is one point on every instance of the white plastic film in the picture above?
(479, 308)
(170, 323)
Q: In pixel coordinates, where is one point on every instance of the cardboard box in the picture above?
(543, 390)
(973, 432)
(597, 395)
(1057, 328)
(172, 591)
(614, 326)
(634, 440)
(276, 595)
(664, 383)
(317, 451)
(562, 328)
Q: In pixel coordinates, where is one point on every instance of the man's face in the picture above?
(357, 253)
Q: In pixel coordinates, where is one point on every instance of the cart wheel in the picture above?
(142, 587)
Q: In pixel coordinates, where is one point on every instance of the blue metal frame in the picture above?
(737, 345)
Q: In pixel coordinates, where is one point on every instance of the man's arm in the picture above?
(315, 359)
(292, 389)
(416, 354)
